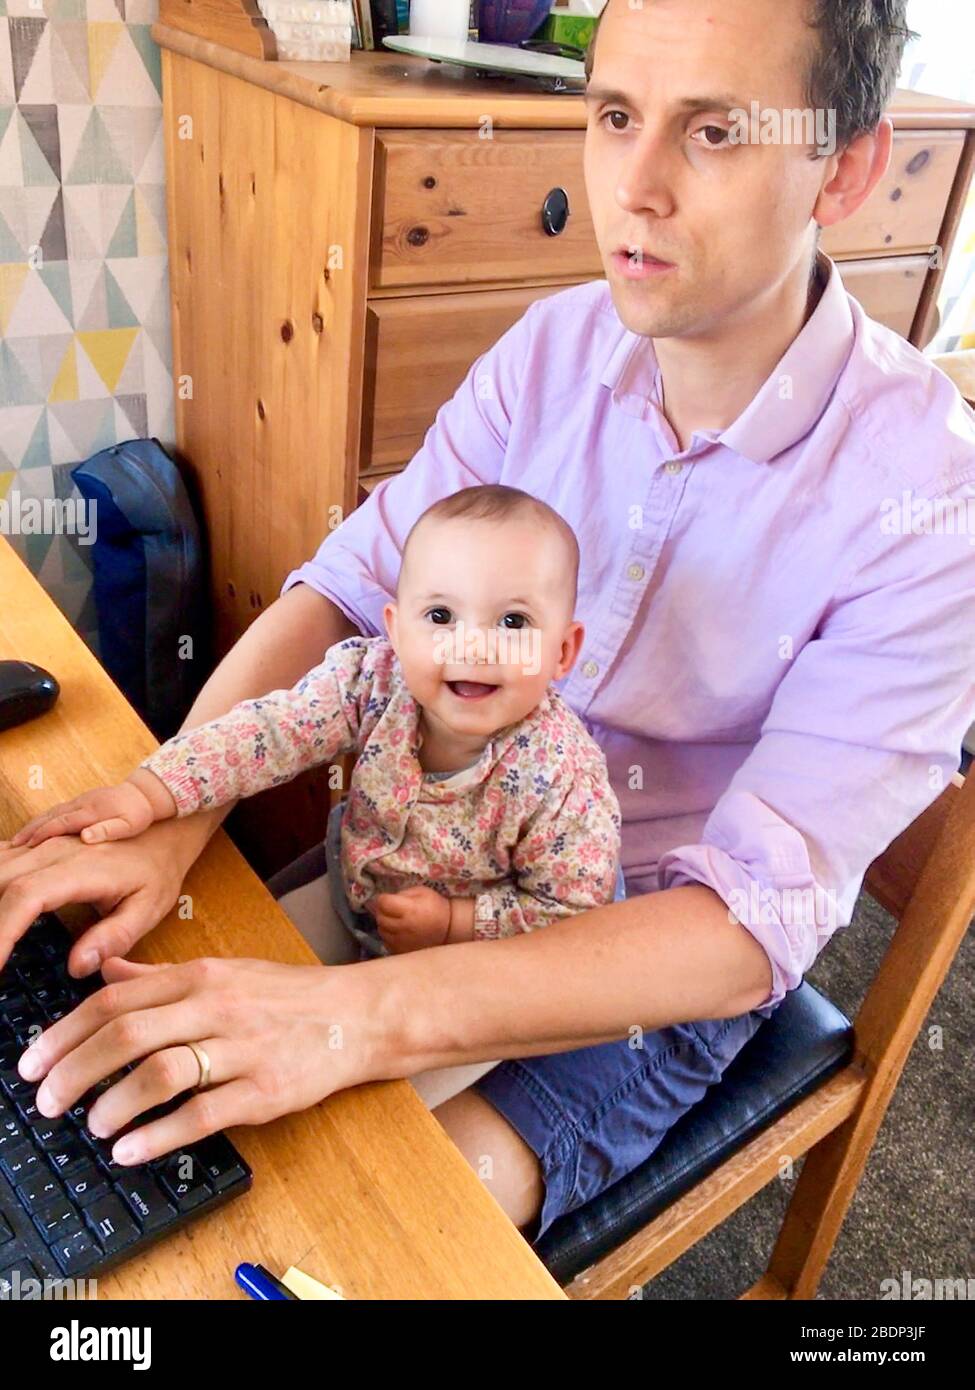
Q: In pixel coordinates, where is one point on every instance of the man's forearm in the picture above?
(654, 960)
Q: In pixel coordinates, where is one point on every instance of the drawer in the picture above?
(452, 208)
(889, 289)
(906, 210)
(418, 351)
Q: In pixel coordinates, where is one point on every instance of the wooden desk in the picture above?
(364, 1191)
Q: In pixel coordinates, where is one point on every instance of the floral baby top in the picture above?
(531, 831)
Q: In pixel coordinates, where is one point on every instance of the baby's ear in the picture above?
(390, 616)
(571, 647)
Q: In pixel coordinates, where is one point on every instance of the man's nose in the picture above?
(646, 180)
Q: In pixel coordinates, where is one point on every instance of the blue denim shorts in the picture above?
(593, 1115)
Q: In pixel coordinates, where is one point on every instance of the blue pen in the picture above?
(261, 1285)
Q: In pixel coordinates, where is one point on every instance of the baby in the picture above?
(479, 805)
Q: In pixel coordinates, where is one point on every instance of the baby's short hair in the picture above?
(497, 502)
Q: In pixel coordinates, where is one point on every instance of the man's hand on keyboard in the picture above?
(104, 813)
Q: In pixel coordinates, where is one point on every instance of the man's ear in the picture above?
(859, 169)
(571, 647)
(390, 617)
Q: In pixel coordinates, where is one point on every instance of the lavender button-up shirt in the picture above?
(779, 661)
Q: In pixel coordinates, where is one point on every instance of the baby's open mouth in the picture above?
(471, 690)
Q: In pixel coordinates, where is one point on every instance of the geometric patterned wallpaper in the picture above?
(85, 351)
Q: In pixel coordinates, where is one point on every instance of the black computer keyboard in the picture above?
(67, 1210)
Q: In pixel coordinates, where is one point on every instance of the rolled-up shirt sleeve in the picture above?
(357, 564)
(863, 734)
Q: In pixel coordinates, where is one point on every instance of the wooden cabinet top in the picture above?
(395, 90)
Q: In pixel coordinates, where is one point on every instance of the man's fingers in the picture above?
(157, 1080)
(114, 935)
(23, 899)
(236, 1103)
(129, 1017)
(115, 968)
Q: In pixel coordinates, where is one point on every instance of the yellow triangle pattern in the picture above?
(6, 482)
(102, 39)
(12, 277)
(108, 349)
(65, 385)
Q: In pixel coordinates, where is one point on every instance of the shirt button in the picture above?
(636, 571)
(673, 467)
(590, 670)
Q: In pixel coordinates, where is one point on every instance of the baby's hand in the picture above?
(105, 813)
(410, 920)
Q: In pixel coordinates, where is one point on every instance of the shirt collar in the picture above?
(790, 402)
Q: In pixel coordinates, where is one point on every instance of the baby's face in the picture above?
(482, 622)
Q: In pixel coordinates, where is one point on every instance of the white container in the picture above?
(316, 31)
(440, 19)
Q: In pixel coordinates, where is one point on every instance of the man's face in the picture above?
(694, 230)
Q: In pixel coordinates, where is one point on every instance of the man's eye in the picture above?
(714, 130)
(515, 621)
(618, 120)
(439, 615)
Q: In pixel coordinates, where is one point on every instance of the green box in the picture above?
(568, 28)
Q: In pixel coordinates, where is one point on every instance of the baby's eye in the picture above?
(514, 621)
(440, 615)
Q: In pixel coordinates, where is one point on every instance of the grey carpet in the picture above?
(915, 1206)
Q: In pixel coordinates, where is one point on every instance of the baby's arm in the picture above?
(258, 744)
(565, 862)
(264, 742)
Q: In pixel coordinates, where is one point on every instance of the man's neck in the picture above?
(706, 383)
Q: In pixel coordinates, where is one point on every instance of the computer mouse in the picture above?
(26, 691)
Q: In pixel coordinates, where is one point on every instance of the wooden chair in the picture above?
(926, 880)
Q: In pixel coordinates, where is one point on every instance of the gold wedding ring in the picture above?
(203, 1062)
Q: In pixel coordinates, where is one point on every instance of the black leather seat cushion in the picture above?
(805, 1041)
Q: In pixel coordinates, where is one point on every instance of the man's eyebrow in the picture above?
(721, 101)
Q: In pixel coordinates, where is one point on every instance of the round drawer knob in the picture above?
(555, 212)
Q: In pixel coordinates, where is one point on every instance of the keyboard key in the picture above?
(145, 1200)
(13, 1276)
(55, 1223)
(13, 1085)
(11, 1135)
(20, 1165)
(52, 1135)
(182, 1178)
(6, 1234)
(86, 1186)
(39, 1191)
(68, 1156)
(77, 1253)
(112, 1224)
(221, 1162)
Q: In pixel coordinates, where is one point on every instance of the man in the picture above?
(780, 675)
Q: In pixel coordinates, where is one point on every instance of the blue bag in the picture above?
(150, 580)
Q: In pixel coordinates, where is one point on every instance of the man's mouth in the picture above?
(471, 690)
(633, 263)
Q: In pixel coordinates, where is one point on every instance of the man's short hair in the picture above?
(855, 63)
(497, 502)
